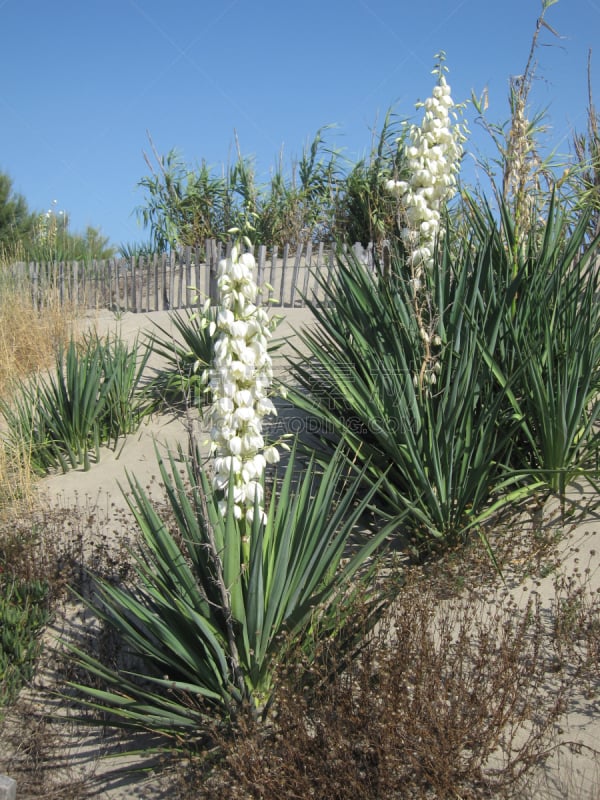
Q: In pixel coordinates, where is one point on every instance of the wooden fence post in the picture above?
(307, 270)
(272, 272)
(212, 257)
(155, 271)
(148, 282)
(172, 299)
(197, 286)
(163, 280)
(133, 279)
(295, 274)
(260, 272)
(189, 257)
(286, 250)
(34, 284)
(141, 269)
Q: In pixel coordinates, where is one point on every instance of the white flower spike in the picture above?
(239, 380)
(433, 153)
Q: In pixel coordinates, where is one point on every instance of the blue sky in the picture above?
(83, 81)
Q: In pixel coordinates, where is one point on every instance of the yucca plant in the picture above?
(444, 446)
(214, 602)
(137, 250)
(124, 366)
(60, 421)
(551, 357)
(185, 353)
(57, 419)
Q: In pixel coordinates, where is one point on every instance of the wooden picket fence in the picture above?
(180, 280)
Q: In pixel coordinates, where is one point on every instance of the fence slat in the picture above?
(212, 256)
(148, 282)
(295, 274)
(286, 249)
(133, 284)
(172, 299)
(198, 289)
(260, 265)
(272, 272)
(319, 267)
(307, 270)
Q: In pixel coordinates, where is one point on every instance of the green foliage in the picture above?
(367, 212)
(123, 368)
(214, 603)
(23, 613)
(89, 246)
(16, 221)
(550, 359)
(485, 395)
(185, 206)
(185, 357)
(89, 400)
(44, 237)
(300, 204)
(443, 447)
(51, 240)
(136, 250)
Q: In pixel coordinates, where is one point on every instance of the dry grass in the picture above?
(29, 339)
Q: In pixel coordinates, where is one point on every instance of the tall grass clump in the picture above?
(28, 337)
(28, 342)
(548, 353)
(91, 398)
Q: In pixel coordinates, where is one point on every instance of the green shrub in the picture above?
(549, 361)
(125, 404)
(474, 399)
(23, 613)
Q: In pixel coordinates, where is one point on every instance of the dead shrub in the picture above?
(451, 698)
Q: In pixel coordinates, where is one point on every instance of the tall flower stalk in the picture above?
(433, 155)
(434, 150)
(239, 382)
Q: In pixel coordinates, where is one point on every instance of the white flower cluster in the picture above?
(433, 162)
(239, 380)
